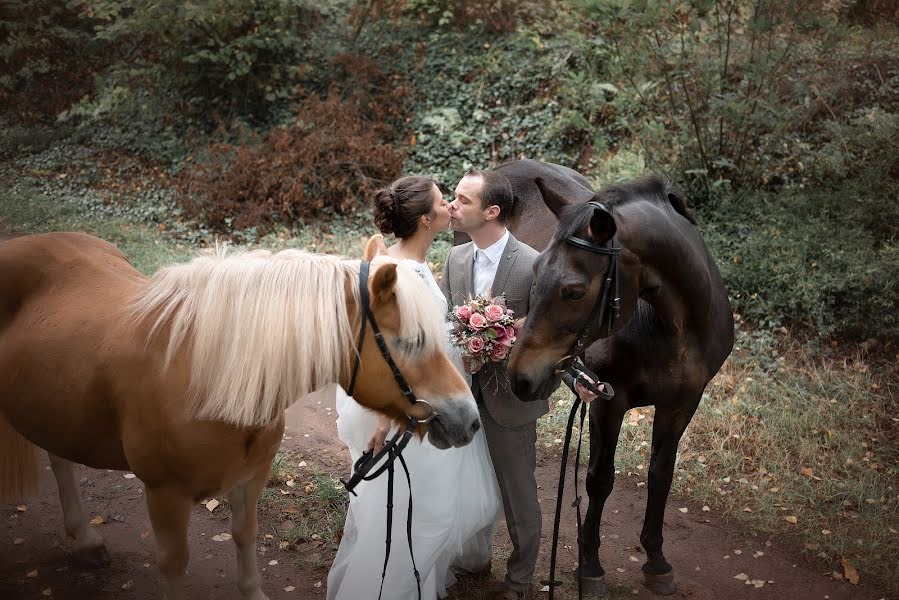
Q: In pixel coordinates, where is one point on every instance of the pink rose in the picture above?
(494, 312)
(475, 345)
(477, 321)
(499, 352)
(463, 313)
(506, 340)
(496, 331)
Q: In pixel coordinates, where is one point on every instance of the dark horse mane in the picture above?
(653, 188)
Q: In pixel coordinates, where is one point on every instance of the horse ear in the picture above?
(383, 283)
(602, 226)
(559, 193)
(375, 246)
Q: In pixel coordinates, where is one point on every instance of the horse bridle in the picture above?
(605, 310)
(393, 448)
(607, 307)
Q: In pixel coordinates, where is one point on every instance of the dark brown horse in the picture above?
(674, 331)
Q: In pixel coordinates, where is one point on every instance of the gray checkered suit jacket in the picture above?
(514, 276)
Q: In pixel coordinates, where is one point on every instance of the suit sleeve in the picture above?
(444, 280)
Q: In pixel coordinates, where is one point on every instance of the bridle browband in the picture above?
(607, 307)
(393, 448)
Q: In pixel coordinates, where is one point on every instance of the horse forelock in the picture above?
(264, 329)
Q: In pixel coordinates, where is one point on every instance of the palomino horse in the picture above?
(184, 378)
(674, 329)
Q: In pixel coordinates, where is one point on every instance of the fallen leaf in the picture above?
(302, 463)
(291, 483)
(21, 507)
(706, 509)
(684, 509)
(98, 520)
(284, 492)
(791, 519)
(825, 532)
(850, 572)
(291, 510)
(18, 542)
(619, 569)
(807, 471)
(47, 592)
(272, 563)
(31, 574)
(128, 584)
(289, 588)
(317, 584)
(741, 576)
(221, 537)
(738, 551)
(130, 475)
(545, 588)
(212, 505)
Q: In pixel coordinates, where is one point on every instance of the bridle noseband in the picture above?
(608, 305)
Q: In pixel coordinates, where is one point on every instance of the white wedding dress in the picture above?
(455, 499)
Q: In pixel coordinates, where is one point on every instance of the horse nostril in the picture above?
(476, 426)
(521, 385)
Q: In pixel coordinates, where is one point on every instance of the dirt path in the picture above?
(706, 551)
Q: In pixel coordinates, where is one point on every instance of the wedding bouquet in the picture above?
(484, 329)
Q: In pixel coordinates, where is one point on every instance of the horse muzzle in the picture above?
(454, 425)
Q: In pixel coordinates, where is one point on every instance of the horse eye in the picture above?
(573, 293)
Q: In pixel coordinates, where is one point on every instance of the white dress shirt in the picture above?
(486, 262)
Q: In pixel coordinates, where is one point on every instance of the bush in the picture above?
(328, 161)
(47, 57)
(826, 260)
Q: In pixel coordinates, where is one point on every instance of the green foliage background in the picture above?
(781, 122)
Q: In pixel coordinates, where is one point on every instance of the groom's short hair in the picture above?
(497, 190)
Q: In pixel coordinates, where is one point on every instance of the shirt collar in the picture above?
(495, 250)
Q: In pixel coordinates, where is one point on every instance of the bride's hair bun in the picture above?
(398, 207)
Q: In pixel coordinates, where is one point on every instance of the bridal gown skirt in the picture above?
(456, 502)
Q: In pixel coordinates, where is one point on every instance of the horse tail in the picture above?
(18, 464)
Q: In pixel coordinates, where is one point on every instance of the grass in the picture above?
(312, 502)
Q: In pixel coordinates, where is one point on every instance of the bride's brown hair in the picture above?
(398, 207)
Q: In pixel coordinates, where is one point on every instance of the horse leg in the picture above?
(88, 544)
(605, 426)
(667, 430)
(243, 500)
(170, 513)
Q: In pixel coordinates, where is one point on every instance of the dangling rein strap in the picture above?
(392, 449)
(552, 582)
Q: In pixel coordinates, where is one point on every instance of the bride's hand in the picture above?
(376, 442)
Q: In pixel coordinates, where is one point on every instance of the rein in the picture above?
(606, 309)
(393, 449)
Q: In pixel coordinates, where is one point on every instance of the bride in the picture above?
(454, 491)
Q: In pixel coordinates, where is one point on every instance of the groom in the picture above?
(495, 262)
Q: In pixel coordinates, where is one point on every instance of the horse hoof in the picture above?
(663, 584)
(594, 587)
(91, 556)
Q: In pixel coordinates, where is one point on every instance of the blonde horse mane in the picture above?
(265, 329)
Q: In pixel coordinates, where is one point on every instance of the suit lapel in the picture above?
(506, 261)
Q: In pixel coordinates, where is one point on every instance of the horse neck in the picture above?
(666, 266)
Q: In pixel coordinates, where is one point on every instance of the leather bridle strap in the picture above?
(392, 449)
